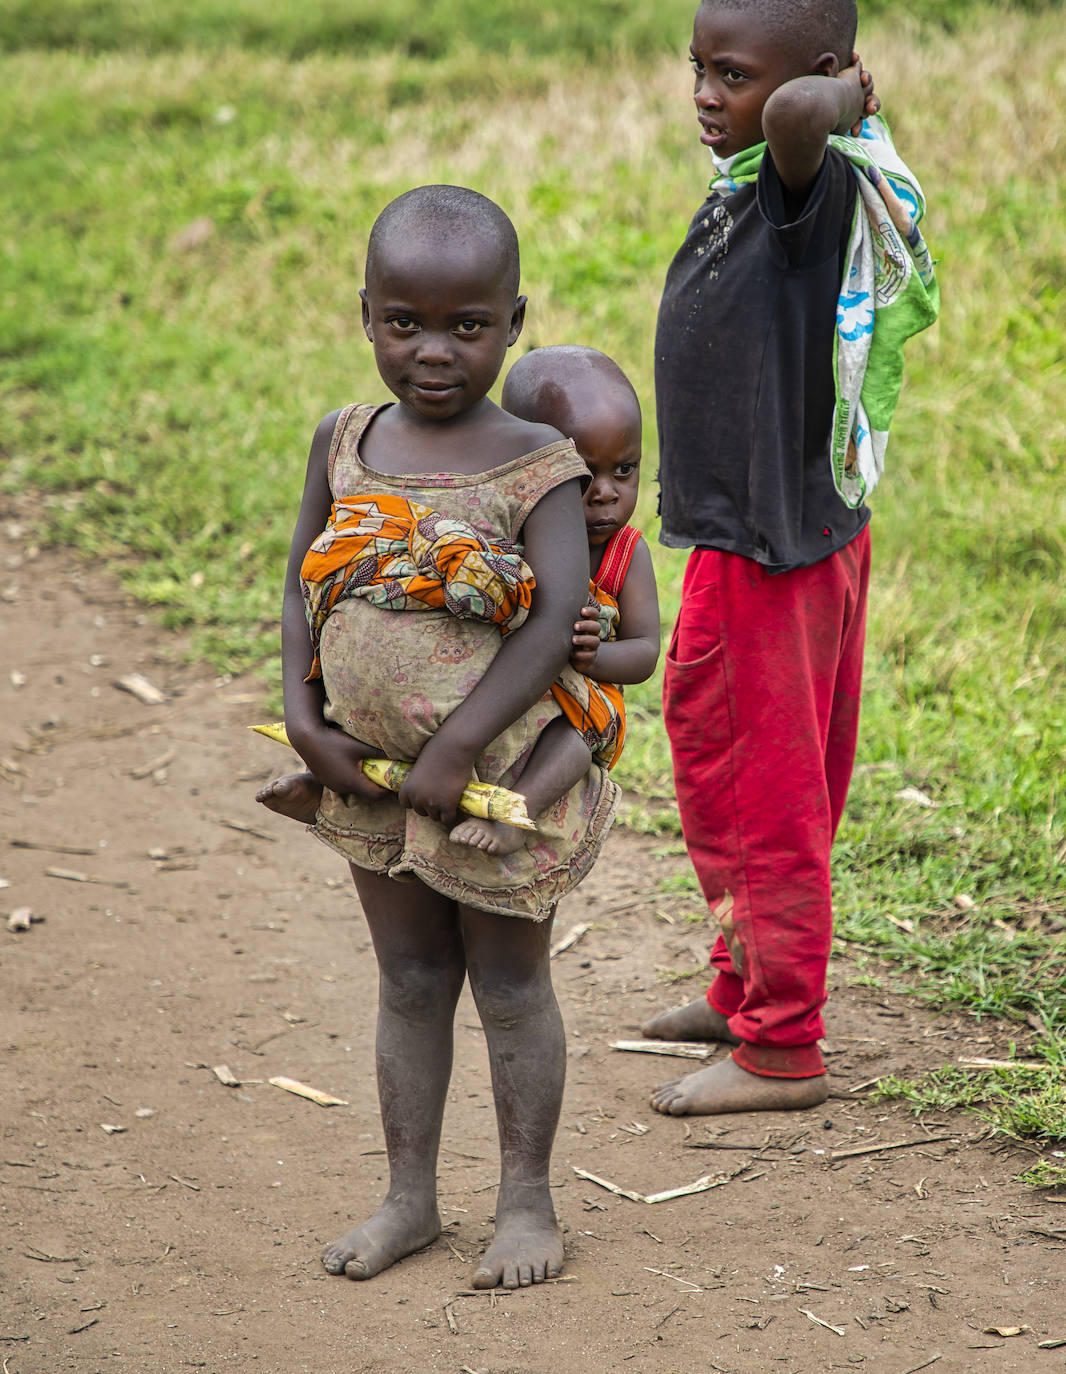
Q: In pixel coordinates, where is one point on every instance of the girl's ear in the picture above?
(366, 316)
(518, 319)
(827, 65)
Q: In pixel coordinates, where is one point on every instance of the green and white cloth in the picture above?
(888, 292)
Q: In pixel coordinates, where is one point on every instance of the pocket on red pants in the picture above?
(695, 699)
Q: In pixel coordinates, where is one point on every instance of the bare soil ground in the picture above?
(157, 1220)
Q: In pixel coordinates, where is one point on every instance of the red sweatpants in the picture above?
(761, 704)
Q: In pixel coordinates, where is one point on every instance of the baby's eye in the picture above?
(625, 469)
(469, 327)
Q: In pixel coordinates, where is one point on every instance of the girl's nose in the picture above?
(434, 348)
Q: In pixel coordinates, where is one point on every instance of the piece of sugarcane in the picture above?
(478, 799)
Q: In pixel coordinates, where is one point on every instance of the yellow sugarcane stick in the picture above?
(478, 799)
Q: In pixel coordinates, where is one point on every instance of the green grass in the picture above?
(157, 392)
(1023, 1103)
(354, 27)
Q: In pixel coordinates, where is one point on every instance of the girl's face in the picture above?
(441, 318)
(737, 67)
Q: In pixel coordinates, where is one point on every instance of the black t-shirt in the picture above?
(744, 374)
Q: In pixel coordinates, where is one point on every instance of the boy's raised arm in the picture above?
(800, 115)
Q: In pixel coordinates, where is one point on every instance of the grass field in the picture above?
(181, 254)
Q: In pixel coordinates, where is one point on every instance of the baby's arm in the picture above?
(331, 755)
(800, 115)
(528, 661)
(633, 655)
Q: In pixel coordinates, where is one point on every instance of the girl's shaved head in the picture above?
(433, 215)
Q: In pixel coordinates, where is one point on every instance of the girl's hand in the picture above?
(436, 781)
(586, 639)
(335, 758)
(871, 102)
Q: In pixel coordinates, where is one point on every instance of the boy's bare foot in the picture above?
(528, 1248)
(494, 837)
(391, 1233)
(696, 1020)
(726, 1087)
(297, 795)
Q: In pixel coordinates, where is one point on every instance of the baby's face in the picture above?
(609, 443)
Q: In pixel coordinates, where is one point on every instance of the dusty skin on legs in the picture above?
(426, 944)
(421, 968)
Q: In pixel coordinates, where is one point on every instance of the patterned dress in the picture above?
(392, 677)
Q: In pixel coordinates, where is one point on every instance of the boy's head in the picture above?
(441, 303)
(743, 50)
(587, 396)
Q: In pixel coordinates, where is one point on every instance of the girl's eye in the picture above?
(403, 323)
(469, 328)
(732, 76)
(696, 64)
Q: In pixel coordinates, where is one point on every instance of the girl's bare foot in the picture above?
(494, 837)
(527, 1249)
(726, 1087)
(696, 1020)
(297, 795)
(391, 1233)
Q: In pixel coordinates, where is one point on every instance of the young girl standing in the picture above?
(441, 307)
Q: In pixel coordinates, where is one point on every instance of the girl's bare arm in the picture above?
(527, 664)
(331, 755)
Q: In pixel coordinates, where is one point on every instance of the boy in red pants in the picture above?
(773, 394)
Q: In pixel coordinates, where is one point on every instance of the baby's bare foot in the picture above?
(726, 1087)
(297, 795)
(391, 1233)
(494, 837)
(696, 1020)
(528, 1248)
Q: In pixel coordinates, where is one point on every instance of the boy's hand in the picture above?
(871, 102)
(586, 639)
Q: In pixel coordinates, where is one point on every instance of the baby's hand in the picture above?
(586, 639)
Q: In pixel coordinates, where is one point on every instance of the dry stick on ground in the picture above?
(891, 1145)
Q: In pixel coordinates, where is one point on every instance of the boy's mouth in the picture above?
(712, 135)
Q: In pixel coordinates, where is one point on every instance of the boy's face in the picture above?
(441, 317)
(608, 441)
(738, 66)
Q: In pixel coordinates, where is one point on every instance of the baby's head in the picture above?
(587, 396)
(441, 303)
(743, 50)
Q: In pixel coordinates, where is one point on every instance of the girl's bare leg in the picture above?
(559, 760)
(510, 977)
(419, 948)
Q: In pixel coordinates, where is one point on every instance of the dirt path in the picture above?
(156, 1220)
